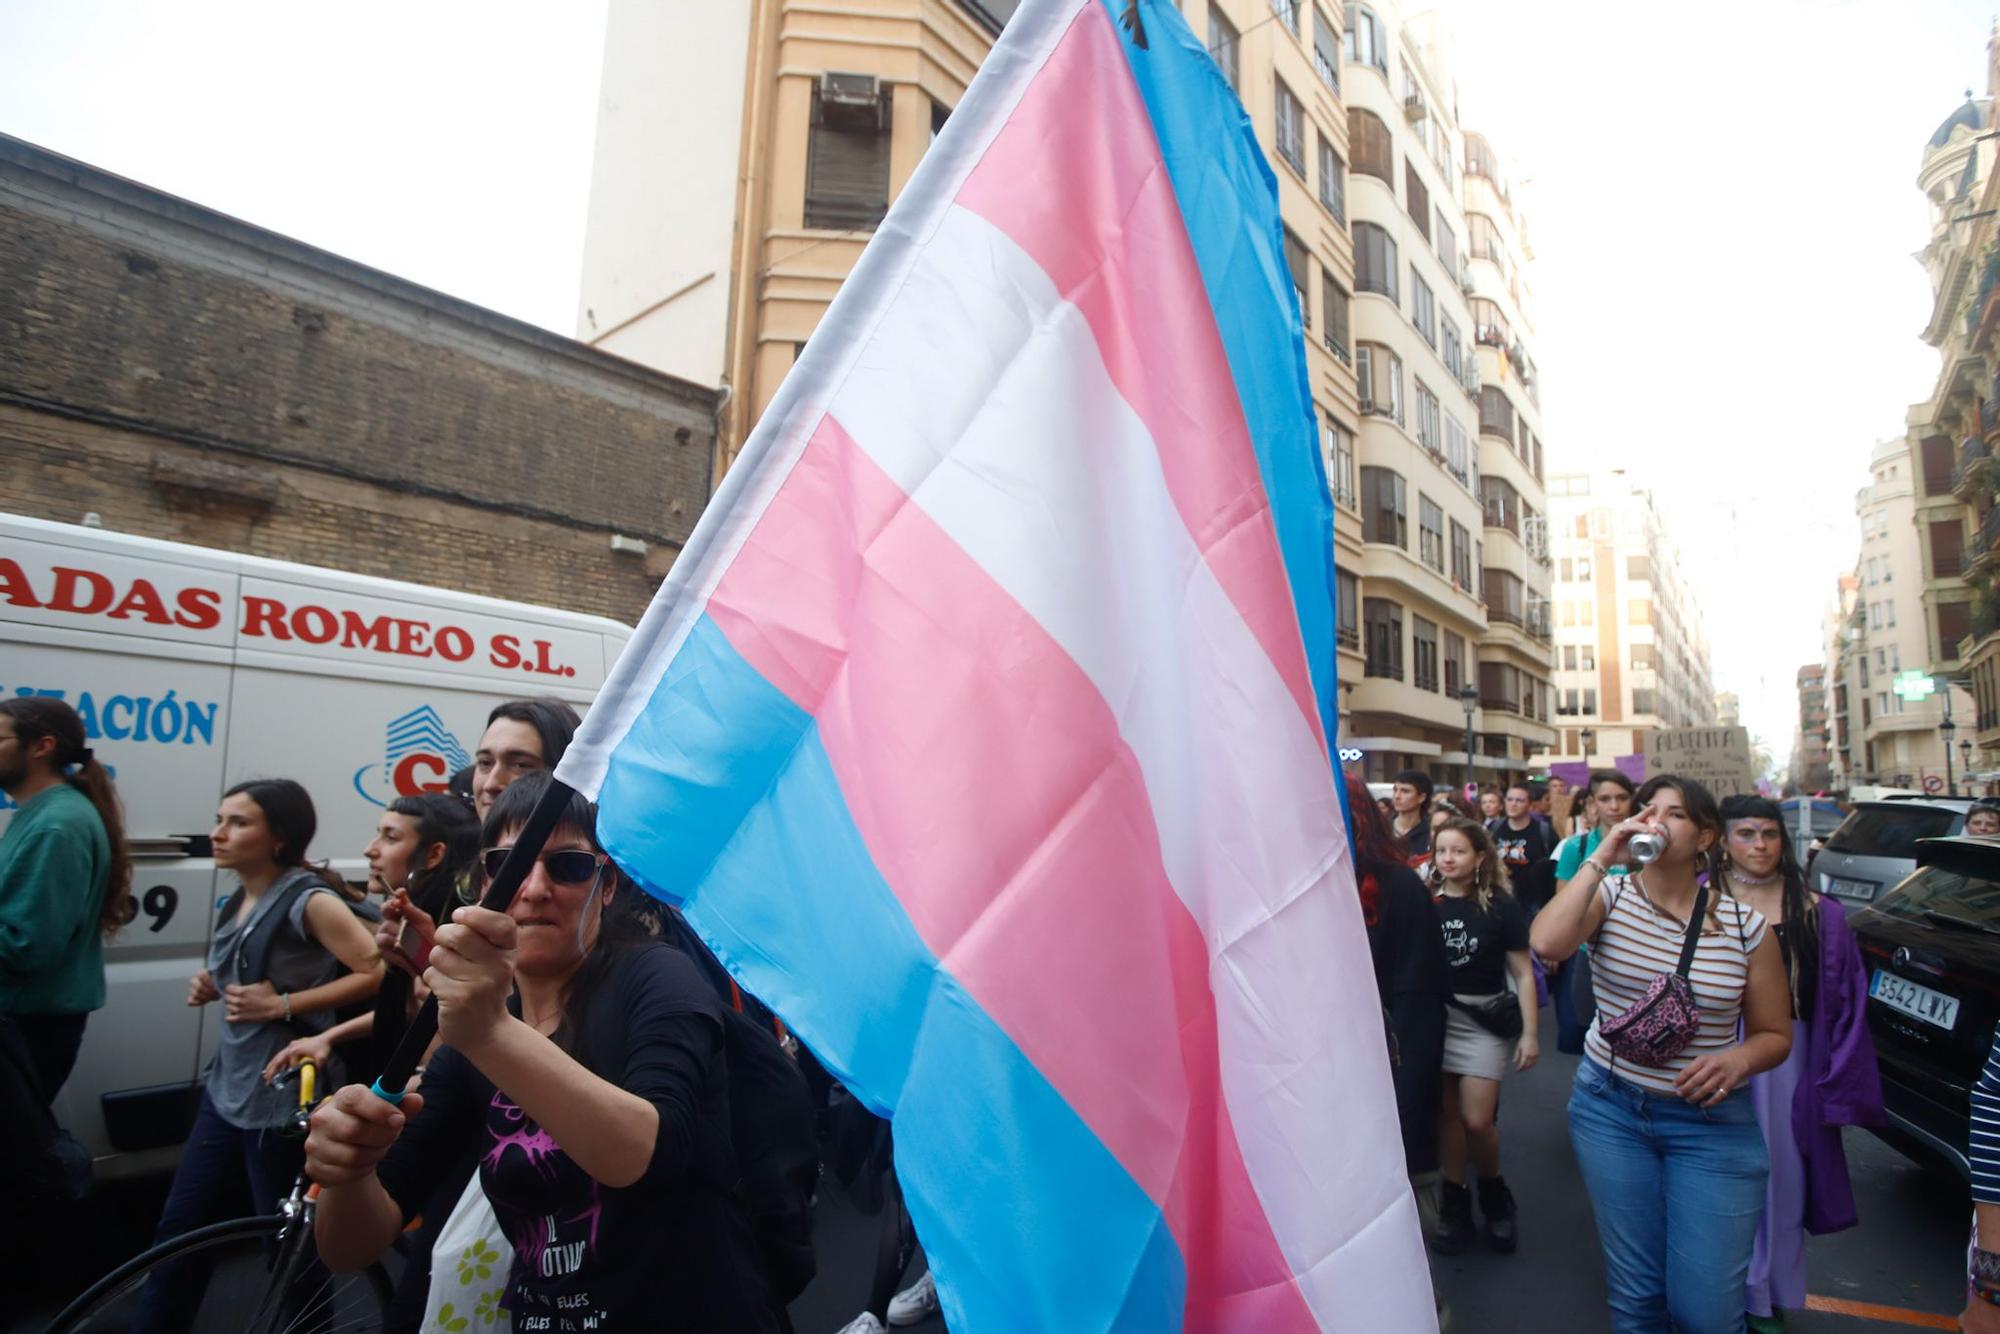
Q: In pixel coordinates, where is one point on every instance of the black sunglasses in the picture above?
(565, 866)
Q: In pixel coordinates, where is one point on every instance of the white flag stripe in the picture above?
(1021, 449)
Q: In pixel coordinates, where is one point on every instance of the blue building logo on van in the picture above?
(419, 754)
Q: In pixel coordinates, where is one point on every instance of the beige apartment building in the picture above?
(1888, 630)
(1454, 567)
(1631, 651)
(746, 151)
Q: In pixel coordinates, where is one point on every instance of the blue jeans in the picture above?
(225, 1172)
(1678, 1191)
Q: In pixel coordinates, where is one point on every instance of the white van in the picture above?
(196, 669)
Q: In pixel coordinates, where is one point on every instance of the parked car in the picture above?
(1809, 821)
(1876, 845)
(1932, 950)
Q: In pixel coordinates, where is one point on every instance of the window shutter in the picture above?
(847, 173)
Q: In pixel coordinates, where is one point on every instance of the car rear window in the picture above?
(1889, 831)
(1953, 892)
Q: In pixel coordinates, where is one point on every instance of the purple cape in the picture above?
(1840, 1085)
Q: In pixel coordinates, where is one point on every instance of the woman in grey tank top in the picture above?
(275, 965)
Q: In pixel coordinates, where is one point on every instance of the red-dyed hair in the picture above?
(1375, 846)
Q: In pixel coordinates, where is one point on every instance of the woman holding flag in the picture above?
(585, 1055)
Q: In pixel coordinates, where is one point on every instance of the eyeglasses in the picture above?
(565, 866)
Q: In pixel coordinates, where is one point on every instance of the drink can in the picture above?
(1645, 847)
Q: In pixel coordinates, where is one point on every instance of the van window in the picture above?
(1890, 831)
(1936, 891)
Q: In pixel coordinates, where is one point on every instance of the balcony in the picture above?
(1974, 472)
(1979, 554)
(1350, 636)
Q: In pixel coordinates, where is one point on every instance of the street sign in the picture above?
(1716, 757)
(1933, 784)
(1914, 686)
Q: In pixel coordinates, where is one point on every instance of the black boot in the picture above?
(1496, 1206)
(1455, 1220)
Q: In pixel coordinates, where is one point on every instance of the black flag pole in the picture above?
(395, 1076)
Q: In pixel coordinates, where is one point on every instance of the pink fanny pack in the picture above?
(1661, 1023)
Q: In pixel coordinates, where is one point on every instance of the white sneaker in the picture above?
(865, 1323)
(915, 1303)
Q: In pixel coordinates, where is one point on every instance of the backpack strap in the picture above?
(253, 952)
(1694, 931)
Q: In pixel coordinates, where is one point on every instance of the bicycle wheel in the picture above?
(245, 1257)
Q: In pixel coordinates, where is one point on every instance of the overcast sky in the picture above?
(1723, 209)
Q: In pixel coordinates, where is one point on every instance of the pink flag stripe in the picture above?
(1081, 142)
(989, 780)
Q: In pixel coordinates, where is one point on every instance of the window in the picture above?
(1454, 351)
(1374, 260)
(1589, 658)
(1642, 657)
(1430, 533)
(1362, 43)
(1295, 260)
(847, 159)
(1424, 655)
(1496, 413)
(1569, 659)
(1874, 616)
(1291, 129)
(1447, 246)
(1889, 614)
(1461, 556)
(1590, 699)
(1348, 608)
(1371, 150)
(1454, 663)
(1644, 701)
(1378, 378)
(1385, 515)
(1423, 308)
(1383, 620)
(1639, 612)
(1287, 12)
(1416, 199)
(1586, 613)
(1566, 702)
(1489, 326)
(1503, 503)
(1430, 421)
(1455, 451)
(1332, 181)
(1333, 314)
(1326, 51)
(1340, 463)
(1222, 43)
(1583, 567)
(1506, 597)
(1640, 567)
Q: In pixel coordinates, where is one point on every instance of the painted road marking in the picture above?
(1894, 1315)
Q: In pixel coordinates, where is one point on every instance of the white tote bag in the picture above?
(469, 1268)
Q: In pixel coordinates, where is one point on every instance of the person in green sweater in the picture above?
(65, 883)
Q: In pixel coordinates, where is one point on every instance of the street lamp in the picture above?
(1965, 764)
(1468, 695)
(1947, 727)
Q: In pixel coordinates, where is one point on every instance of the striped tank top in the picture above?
(1637, 943)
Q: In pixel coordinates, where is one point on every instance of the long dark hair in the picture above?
(1699, 803)
(1801, 904)
(288, 810)
(625, 922)
(442, 820)
(35, 717)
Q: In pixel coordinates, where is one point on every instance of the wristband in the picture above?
(1986, 1295)
(1986, 1267)
(286, 997)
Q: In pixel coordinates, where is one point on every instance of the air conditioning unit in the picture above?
(851, 101)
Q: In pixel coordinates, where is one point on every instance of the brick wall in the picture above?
(189, 377)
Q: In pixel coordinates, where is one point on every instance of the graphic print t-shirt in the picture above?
(673, 1251)
(1476, 943)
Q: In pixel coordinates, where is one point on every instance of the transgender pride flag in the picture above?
(982, 726)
